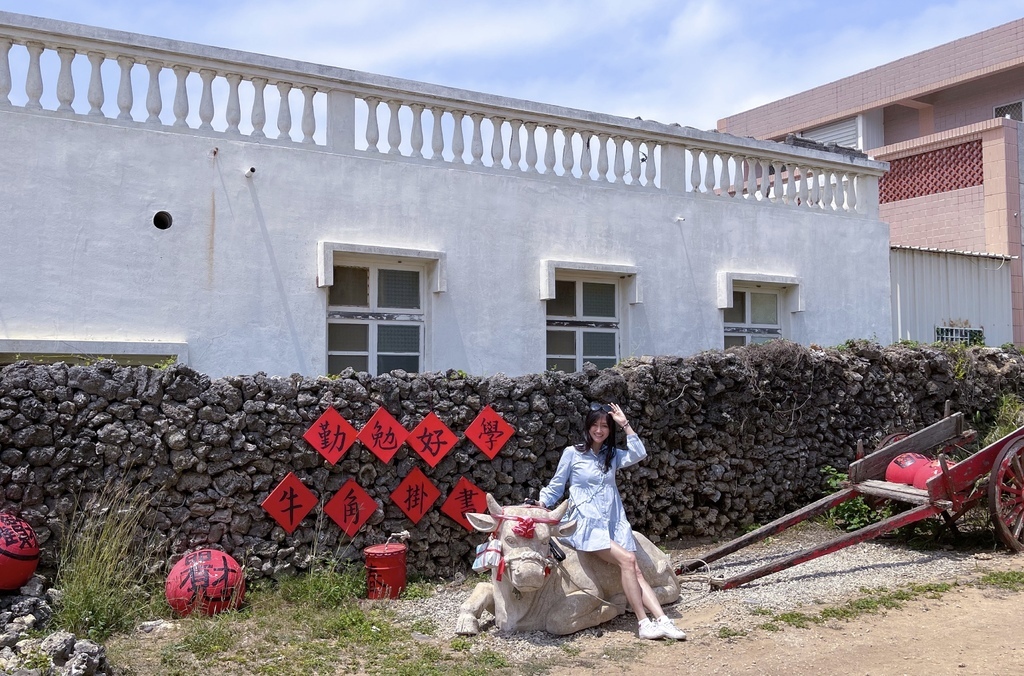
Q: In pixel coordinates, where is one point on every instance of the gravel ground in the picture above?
(826, 580)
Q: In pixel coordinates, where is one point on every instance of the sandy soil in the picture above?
(968, 630)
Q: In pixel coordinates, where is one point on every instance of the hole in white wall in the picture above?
(162, 220)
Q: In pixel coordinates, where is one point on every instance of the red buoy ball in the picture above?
(19, 552)
(927, 471)
(903, 468)
(208, 581)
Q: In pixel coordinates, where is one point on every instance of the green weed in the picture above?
(729, 632)
(101, 569)
(1007, 579)
(853, 514)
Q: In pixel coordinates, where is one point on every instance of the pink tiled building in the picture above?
(948, 120)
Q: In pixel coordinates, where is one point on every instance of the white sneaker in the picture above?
(651, 630)
(668, 629)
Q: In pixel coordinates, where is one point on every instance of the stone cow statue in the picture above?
(532, 591)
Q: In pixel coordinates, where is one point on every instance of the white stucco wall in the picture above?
(235, 277)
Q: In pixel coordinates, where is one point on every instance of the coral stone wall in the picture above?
(733, 438)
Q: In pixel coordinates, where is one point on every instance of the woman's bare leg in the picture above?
(628, 569)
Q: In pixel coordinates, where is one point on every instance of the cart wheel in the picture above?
(890, 439)
(1006, 495)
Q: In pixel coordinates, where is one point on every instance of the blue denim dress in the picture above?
(595, 502)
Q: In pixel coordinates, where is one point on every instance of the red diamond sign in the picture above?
(331, 435)
(289, 503)
(465, 497)
(415, 495)
(382, 435)
(489, 432)
(432, 439)
(350, 507)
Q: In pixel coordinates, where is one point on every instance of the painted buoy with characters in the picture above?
(19, 552)
(904, 467)
(207, 581)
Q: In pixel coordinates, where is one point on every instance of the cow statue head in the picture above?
(524, 533)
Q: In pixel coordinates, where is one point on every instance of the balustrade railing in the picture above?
(129, 79)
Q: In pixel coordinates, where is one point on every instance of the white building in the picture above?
(410, 236)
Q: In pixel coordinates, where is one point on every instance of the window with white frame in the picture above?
(583, 324)
(754, 317)
(375, 317)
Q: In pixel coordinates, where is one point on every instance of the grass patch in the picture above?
(729, 632)
(102, 564)
(874, 600)
(1007, 579)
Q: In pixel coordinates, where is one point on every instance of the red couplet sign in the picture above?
(415, 495)
(331, 435)
(432, 439)
(289, 503)
(350, 507)
(465, 497)
(383, 435)
(489, 432)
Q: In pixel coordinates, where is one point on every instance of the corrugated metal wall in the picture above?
(935, 289)
(843, 133)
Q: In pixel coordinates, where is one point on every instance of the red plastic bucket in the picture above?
(904, 468)
(385, 570)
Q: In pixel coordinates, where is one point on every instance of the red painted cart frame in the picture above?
(996, 471)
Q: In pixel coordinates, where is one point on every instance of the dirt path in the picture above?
(967, 631)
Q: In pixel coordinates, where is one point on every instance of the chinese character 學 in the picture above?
(491, 433)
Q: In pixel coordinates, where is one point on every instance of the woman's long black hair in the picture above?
(607, 452)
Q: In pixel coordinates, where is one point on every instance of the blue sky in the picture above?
(688, 61)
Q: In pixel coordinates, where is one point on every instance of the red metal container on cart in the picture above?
(385, 570)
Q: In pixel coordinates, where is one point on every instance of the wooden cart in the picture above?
(995, 472)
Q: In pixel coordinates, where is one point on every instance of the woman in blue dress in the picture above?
(588, 469)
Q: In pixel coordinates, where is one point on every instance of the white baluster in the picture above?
(814, 198)
(154, 104)
(739, 176)
(206, 99)
(549, 149)
(5, 73)
(694, 168)
(417, 129)
(437, 135)
(724, 179)
(651, 170)
(777, 193)
(497, 147)
(531, 147)
(458, 138)
(259, 108)
(619, 168)
(801, 195)
(634, 163)
(568, 152)
(709, 171)
(752, 166)
(515, 142)
(65, 83)
(284, 115)
(373, 133)
(476, 148)
(586, 157)
(180, 97)
(394, 128)
(851, 192)
(602, 157)
(826, 191)
(95, 93)
(34, 80)
(125, 97)
(233, 115)
(765, 179)
(308, 117)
